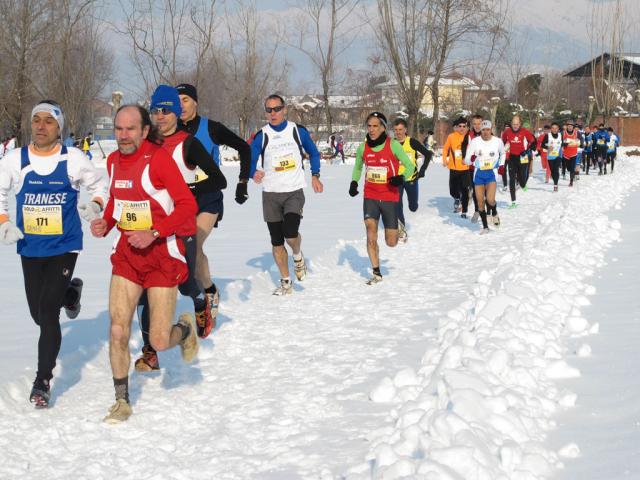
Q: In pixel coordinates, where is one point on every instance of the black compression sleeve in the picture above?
(223, 136)
(418, 147)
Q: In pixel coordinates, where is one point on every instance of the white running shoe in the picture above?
(484, 231)
(119, 412)
(496, 220)
(189, 346)
(475, 217)
(285, 288)
(402, 233)
(300, 268)
(374, 279)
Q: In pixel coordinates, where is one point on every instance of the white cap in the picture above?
(485, 124)
(54, 110)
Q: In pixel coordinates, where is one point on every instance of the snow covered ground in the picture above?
(459, 365)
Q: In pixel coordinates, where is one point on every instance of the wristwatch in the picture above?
(317, 175)
(156, 233)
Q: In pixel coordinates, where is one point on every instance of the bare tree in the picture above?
(249, 68)
(406, 32)
(168, 38)
(23, 40)
(607, 24)
(322, 34)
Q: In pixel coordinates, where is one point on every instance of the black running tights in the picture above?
(46, 280)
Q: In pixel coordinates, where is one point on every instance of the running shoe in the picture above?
(555, 188)
(475, 217)
(496, 220)
(148, 361)
(484, 231)
(285, 288)
(40, 393)
(504, 189)
(188, 345)
(525, 189)
(402, 233)
(463, 215)
(512, 206)
(375, 278)
(73, 310)
(119, 412)
(206, 317)
(300, 268)
(456, 206)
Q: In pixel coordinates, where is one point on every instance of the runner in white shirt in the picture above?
(486, 153)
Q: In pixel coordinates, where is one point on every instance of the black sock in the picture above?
(122, 388)
(212, 289)
(376, 271)
(493, 209)
(483, 216)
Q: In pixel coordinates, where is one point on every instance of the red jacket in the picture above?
(151, 175)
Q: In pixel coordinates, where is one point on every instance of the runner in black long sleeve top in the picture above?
(223, 136)
(195, 155)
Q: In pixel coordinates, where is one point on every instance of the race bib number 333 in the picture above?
(133, 215)
(42, 220)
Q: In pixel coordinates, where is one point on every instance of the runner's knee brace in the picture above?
(291, 225)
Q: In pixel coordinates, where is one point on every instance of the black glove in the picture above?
(421, 172)
(353, 188)
(241, 193)
(397, 180)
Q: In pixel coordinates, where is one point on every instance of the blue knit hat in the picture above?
(166, 97)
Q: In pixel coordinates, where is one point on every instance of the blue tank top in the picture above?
(46, 210)
(205, 139)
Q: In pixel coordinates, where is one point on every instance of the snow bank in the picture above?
(484, 396)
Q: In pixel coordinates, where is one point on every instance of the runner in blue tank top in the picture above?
(46, 178)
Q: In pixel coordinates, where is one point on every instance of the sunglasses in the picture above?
(462, 125)
(162, 110)
(273, 109)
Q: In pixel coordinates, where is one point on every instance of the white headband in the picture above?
(53, 110)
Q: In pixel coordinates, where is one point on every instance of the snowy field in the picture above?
(507, 356)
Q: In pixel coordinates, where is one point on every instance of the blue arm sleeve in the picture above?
(311, 149)
(256, 150)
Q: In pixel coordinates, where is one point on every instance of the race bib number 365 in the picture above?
(377, 174)
(133, 215)
(42, 220)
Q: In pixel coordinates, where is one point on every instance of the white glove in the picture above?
(89, 211)
(9, 233)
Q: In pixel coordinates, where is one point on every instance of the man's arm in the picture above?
(223, 136)
(310, 147)
(256, 152)
(357, 167)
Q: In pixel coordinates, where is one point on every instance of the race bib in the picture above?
(524, 158)
(377, 174)
(486, 164)
(200, 175)
(42, 220)
(133, 215)
(601, 141)
(458, 155)
(554, 152)
(283, 163)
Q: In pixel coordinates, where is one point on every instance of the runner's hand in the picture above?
(241, 192)
(353, 188)
(396, 180)
(89, 211)
(98, 227)
(9, 233)
(140, 238)
(316, 184)
(258, 176)
(501, 170)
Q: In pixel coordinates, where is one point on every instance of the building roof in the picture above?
(630, 68)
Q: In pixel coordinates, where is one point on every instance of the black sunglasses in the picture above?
(273, 109)
(162, 110)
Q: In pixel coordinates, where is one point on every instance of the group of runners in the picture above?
(474, 154)
(163, 198)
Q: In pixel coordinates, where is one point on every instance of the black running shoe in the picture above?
(73, 309)
(40, 393)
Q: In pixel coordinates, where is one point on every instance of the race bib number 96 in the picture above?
(42, 220)
(133, 215)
